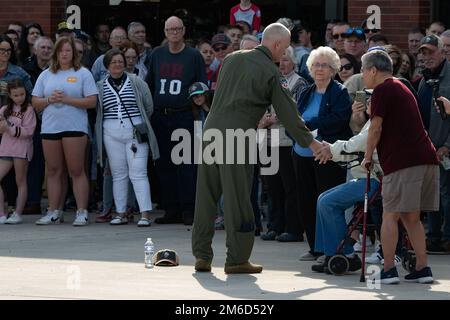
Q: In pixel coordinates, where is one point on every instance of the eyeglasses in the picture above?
(7, 51)
(174, 30)
(118, 38)
(366, 31)
(337, 36)
(320, 65)
(221, 48)
(347, 66)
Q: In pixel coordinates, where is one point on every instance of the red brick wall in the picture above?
(45, 12)
(397, 17)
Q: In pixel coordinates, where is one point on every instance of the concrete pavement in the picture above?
(100, 261)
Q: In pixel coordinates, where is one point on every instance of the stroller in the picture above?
(339, 264)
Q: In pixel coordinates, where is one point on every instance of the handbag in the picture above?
(140, 130)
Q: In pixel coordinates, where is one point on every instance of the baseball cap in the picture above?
(80, 34)
(220, 38)
(165, 257)
(357, 32)
(64, 26)
(197, 88)
(430, 42)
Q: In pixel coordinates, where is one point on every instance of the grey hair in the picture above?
(329, 54)
(379, 59)
(134, 24)
(290, 54)
(248, 37)
(446, 33)
(287, 23)
(40, 39)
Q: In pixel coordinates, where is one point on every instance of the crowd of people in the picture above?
(94, 116)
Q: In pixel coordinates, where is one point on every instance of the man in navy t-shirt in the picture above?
(172, 69)
(409, 162)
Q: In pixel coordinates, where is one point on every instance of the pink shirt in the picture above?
(17, 140)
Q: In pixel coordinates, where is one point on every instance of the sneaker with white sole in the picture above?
(321, 259)
(389, 277)
(14, 219)
(3, 219)
(357, 247)
(81, 219)
(422, 276)
(52, 217)
(375, 258)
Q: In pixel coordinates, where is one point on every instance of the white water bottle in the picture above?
(149, 250)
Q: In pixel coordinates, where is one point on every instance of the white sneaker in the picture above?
(397, 261)
(377, 245)
(321, 259)
(357, 247)
(52, 217)
(82, 218)
(14, 219)
(3, 219)
(307, 257)
(375, 258)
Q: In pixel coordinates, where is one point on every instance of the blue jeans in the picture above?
(331, 227)
(442, 217)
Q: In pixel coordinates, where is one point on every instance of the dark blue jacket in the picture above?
(334, 113)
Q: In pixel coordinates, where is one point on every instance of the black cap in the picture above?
(430, 42)
(165, 257)
(357, 32)
(197, 88)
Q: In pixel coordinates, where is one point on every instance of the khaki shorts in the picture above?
(411, 189)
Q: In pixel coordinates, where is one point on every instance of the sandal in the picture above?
(144, 222)
(118, 220)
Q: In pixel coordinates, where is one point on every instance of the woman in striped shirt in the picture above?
(125, 101)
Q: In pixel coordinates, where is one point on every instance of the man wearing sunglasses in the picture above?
(337, 35)
(355, 43)
(221, 45)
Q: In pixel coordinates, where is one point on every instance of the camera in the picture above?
(434, 84)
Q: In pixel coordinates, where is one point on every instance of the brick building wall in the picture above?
(48, 13)
(397, 17)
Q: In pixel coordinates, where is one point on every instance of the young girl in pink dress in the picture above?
(17, 124)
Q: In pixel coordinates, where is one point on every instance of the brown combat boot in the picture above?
(246, 267)
(202, 265)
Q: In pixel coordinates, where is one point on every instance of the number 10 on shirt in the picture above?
(174, 87)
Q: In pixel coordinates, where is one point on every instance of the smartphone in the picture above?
(442, 111)
(361, 96)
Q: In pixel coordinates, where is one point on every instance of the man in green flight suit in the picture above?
(249, 81)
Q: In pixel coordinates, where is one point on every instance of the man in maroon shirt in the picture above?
(408, 160)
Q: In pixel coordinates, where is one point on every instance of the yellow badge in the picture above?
(72, 79)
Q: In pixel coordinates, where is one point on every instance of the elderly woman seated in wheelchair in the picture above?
(332, 232)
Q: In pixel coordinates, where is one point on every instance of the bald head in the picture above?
(274, 32)
(276, 37)
(174, 21)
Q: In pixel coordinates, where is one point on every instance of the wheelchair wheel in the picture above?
(409, 261)
(338, 265)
